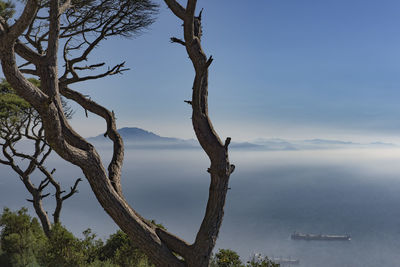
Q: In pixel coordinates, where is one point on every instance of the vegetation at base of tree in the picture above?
(22, 239)
(229, 258)
(24, 244)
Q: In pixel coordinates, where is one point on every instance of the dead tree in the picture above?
(162, 247)
(21, 123)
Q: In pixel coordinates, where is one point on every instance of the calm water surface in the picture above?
(272, 194)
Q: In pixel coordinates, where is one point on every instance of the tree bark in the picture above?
(42, 214)
(160, 246)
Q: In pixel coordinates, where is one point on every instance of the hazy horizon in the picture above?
(299, 142)
(273, 193)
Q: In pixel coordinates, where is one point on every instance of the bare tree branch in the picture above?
(73, 189)
(23, 21)
(29, 71)
(18, 120)
(177, 40)
(176, 8)
(117, 69)
(115, 165)
(220, 168)
(28, 54)
(116, 18)
(65, 6)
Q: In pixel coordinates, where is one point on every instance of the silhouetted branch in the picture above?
(177, 40)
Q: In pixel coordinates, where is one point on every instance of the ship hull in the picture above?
(286, 261)
(300, 236)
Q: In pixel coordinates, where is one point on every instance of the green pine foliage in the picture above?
(24, 244)
(12, 107)
(229, 258)
(91, 246)
(22, 239)
(7, 9)
(261, 262)
(119, 250)
(63, 249)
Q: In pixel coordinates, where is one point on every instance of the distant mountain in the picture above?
(134, 134)
(136, 137)
(247, 145)
(383, 144)
(275, 144)
(323, 143)
(328, 142)
(316, 144)
(139, 138)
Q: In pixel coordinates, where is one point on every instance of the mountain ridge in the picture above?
(140, 138)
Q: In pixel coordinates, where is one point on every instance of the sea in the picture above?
(272, 194)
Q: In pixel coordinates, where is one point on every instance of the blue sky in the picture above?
(283, 68)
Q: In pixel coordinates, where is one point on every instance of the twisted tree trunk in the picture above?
(162, 248)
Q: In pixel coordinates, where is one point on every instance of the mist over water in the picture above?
(328, 192)
(273, 194)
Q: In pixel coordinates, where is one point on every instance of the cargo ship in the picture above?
(283, 261)
(301, 236)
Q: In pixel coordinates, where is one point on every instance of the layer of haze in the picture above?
(273, 194)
